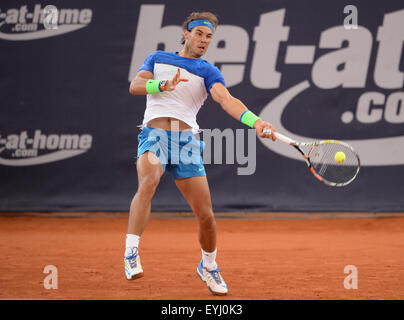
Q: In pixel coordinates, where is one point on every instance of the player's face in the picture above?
(198, 40)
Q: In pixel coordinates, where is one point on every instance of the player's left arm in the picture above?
(235, 108)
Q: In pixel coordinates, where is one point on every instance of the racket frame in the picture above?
(297, 145)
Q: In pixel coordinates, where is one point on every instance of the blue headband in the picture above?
(200, 22)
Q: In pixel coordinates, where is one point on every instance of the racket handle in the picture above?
(279, 136)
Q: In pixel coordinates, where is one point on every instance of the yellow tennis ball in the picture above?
(339, 157)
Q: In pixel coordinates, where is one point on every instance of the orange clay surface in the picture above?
(267, 256)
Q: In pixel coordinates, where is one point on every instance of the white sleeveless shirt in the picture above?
(184, 102)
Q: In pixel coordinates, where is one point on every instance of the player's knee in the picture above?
(206, 218)
(148, 186)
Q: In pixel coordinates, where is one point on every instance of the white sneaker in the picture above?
(213, 279)
(133, 268)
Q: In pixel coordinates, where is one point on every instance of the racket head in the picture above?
(324, 166)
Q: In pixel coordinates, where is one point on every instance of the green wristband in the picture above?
(249, 118)
(153, 86)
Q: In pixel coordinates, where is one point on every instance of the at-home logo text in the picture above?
(24, 150)
(27, 22)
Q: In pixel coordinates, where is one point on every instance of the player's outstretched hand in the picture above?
(260, 125)
(172, 84)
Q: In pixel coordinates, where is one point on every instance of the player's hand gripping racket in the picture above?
(331, 161)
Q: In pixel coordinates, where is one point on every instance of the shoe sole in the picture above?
(213, 292)
(136, 276)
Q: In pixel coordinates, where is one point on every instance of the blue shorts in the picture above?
(179, 151)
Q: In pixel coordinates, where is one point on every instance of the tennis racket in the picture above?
(320, 157)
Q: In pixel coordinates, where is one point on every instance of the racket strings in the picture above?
(323, 161)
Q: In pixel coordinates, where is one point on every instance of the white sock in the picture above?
(209, 259)
(132, 241)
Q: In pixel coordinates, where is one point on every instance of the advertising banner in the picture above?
(314, 69)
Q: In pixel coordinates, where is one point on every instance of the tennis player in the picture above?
(176, 85)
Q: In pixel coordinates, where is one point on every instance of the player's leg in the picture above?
(196, 191)
(149, 170)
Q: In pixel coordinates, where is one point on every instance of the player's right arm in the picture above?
(138, 85)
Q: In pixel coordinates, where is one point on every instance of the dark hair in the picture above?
(200, 15)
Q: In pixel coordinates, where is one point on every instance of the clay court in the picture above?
(267, 256)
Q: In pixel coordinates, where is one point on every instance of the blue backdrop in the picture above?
(68, 125)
